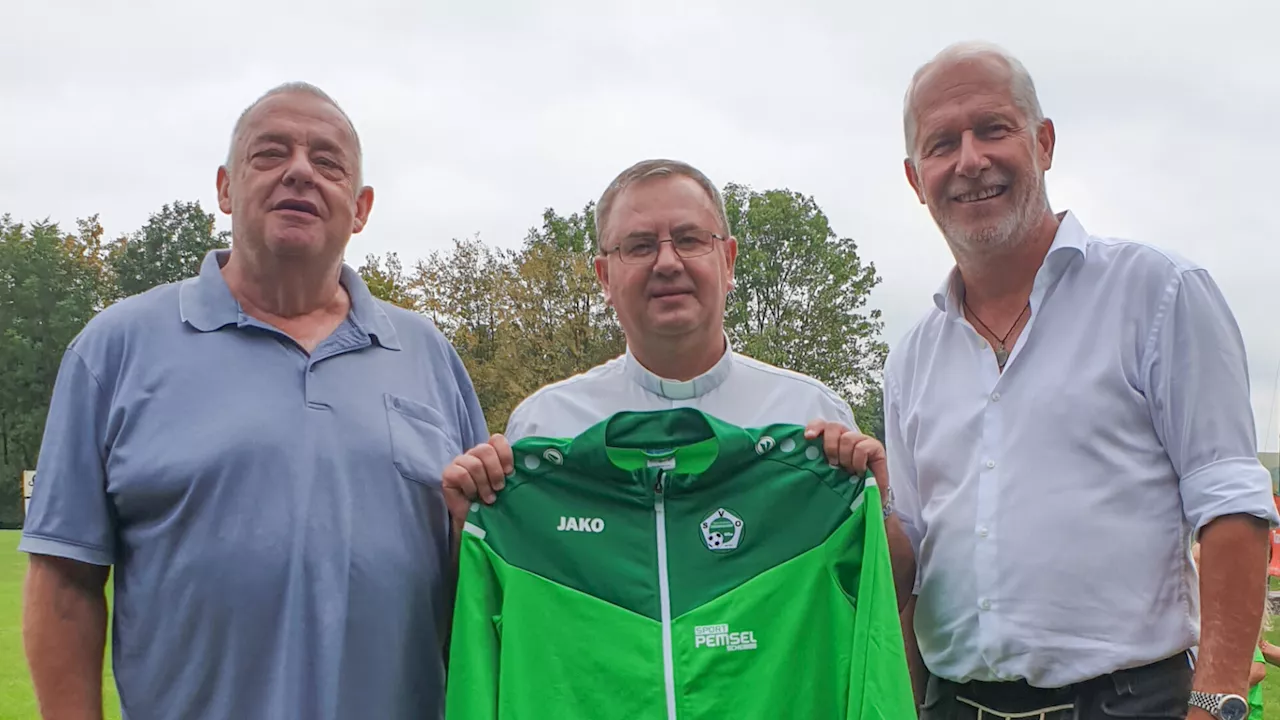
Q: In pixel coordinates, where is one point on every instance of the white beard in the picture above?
(1007, 232)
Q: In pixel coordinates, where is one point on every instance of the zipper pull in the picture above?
(657, 486)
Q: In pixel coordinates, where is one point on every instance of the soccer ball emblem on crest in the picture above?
(722, 531)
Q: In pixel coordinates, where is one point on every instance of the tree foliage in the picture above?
(800, 296)
(51, 284)
(518, 318)
(386, 280)
(168, 248)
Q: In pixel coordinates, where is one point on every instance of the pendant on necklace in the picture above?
(1002, 355)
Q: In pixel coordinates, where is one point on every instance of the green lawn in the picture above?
(17, 702)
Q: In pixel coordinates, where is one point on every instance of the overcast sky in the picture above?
(476, 116)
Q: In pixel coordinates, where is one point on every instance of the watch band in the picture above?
(1223, 706)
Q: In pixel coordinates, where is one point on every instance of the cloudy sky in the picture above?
(478, 115)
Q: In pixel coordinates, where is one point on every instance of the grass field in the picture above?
(17, 702)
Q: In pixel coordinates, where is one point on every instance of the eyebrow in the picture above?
(988, 118)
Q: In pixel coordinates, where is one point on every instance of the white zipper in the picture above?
(664, 589)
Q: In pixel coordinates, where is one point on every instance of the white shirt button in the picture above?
(983, 532)
(991, 464)
(985, 604)
(995, 397)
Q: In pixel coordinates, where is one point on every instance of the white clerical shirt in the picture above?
(738, 390)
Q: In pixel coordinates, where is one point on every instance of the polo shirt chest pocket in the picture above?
(421, 443)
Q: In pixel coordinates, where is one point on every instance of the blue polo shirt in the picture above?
(275, 519)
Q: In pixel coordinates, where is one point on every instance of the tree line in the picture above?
(519, 316)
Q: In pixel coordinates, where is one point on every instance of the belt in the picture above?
(1018, 699)
(986, 713)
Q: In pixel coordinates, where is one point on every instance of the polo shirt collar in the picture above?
(1071, 239)
(681, 389)
(206, 303)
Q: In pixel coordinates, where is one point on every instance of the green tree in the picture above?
(560, 324)
(521, 319)
(800, 296)
(51, 284)
(169, 248)
(386, 280)
(465, 292)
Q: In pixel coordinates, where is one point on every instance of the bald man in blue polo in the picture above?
(257, 453)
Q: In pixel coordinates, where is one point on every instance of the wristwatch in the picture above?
(1222, 706)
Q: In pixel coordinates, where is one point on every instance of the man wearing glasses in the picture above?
(665, 264)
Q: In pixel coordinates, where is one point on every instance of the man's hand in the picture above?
(479, 473)
(851, 450)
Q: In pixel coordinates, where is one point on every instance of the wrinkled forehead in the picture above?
(958, 87)
(662, 204)
(299, 116)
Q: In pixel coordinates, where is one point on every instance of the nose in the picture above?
(299, 171)
(972, 159)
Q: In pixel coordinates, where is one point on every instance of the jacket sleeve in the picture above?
(476, 638)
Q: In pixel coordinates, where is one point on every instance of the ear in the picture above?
(364, 205)
(730, 257)
(913, 178)
(224, 190)
(602, 274)
(1046, 140)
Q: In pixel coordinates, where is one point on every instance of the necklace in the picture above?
(1002, 354)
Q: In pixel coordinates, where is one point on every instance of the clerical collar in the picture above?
(682, 389)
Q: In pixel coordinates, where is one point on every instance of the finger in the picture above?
(456, 479)
(831, 442)
(814, 429)
(480, 477)
(459, 491)
(878, 461)
(859, 460)
(488, 456)
(848, 442)
(505, 456)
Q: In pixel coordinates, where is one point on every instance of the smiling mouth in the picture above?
(301, 206)
(980, 195)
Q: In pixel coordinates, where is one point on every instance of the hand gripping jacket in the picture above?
(667, 565)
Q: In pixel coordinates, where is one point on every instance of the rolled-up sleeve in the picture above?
(902, 473)
(1198, 388)
(70, 514)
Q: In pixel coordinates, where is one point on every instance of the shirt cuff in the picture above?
(1237, 486)
(36, 545)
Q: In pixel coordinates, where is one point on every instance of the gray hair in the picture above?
(648, 169)
(1021, 86)
(306, 89)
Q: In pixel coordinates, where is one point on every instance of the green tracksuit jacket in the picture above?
(666, 565)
